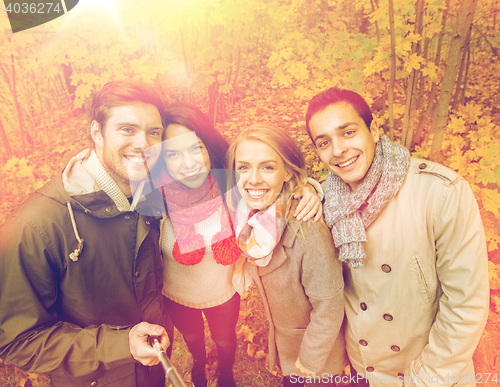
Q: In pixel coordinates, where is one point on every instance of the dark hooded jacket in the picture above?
(71, 318)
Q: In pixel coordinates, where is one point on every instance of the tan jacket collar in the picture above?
(279, 255)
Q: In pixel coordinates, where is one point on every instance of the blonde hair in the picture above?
(281, 142)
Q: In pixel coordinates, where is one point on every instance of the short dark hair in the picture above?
(333, 96)
(119, 93)
(192, 118)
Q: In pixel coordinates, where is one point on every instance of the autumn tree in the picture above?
(331, 47)
(21, 108)
(324, 48)
(460, 30)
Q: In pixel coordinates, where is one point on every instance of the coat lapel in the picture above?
(279, 255)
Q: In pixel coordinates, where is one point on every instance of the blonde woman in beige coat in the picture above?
(293, 264)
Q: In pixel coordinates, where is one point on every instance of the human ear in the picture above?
(96, 134)
(375, 131)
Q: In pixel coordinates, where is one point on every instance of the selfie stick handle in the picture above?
(170, 371)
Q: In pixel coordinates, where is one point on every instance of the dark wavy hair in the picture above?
(194, 119)
(333, 96)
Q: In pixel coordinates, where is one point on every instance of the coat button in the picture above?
(395, 348)
(94, 383)
(362, 342)
(136, 273)
(386, 268)
(422, 166)
(388, 317)
(148, 222)
(370, 369)
(127, 217)
(363, 306)
(108, 209)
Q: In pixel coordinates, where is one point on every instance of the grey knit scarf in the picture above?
(348, 214)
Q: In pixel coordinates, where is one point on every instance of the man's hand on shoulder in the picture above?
(139, 346)
(309, 205)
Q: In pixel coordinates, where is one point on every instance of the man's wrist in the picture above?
(317, 187)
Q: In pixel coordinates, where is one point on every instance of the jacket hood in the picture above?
(75, 186)
(78, 188)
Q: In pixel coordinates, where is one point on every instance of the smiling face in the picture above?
(186, 156)
(262, 173)
(345, 144)
(131, 137)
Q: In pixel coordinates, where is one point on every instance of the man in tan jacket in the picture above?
(411, 238)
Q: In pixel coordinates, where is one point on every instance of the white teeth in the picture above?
(189, 174)
(136, 159)
(256, 192)
(348, 162)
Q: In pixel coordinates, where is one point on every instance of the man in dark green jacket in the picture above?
(80, 267)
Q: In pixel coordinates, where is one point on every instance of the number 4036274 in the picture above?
(14, 7)
(478, 378)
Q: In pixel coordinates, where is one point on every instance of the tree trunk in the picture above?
(12, 89)
(390, 92)
(437, 60)
(235, 95)
(410, 92)
(467, 66)
(411, 89)
(495, 16)
(217, 103)
(421, 89)
(57, 99)
(40, 101)
(494, 50)
(18, 107)
(461, 29)
(420, 102)
(65, 92)
(5, 140)
(376, 23)
(67, 72)
(458, 88)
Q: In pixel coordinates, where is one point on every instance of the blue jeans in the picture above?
(222, 323)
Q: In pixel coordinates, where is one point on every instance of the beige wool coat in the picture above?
(418, 306)
(302, 290)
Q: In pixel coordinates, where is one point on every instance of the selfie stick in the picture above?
(170, 371)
